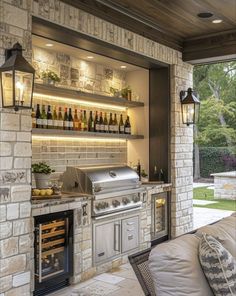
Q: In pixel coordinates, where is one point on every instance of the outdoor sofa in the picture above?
(173, 268)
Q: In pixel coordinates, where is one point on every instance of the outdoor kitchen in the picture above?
(97, 184)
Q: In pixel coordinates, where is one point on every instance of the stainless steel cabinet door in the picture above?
(107, 241)
(130, 233)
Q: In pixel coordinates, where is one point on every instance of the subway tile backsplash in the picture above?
(59, 153)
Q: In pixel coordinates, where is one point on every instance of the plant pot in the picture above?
(41, 180)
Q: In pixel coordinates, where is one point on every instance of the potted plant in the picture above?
(50, 77)
(42, 173)
(144, 176)
(126, 93)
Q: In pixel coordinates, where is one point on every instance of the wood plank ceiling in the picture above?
(175, 23)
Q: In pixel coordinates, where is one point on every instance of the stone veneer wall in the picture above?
(15, 227)
(16, 236)
(77, 73)
(181, 78)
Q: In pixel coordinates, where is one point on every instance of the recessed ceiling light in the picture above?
(49, 44)
(217, 21)
(205, 14)
(123, 67)
(90, 57)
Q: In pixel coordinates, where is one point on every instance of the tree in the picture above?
(216, 85)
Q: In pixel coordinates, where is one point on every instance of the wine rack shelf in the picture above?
(51, 90)
(80, 134)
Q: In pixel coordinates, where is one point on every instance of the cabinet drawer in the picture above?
(130, 233)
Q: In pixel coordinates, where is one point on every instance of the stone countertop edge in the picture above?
(73, 201)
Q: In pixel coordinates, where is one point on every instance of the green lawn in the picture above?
(208, 194)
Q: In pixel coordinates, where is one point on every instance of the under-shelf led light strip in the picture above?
(81, 102)
(78, 139)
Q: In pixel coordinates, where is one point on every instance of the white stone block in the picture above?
(26, 123)
(12, 211)
(22, 226)
(12, 265)
(24, 137)
(3, 213)
(9, 247)
(10, 121)
(20, 193)
(22, 149)
(15, 16)
(5, 229)
(5, 149)
(6, 284)
(21, 279)
(6, 163)
(7, 136)
(22, 163)
(25, 209)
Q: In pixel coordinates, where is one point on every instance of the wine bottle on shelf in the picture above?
(101, 123)
(66, 120)
(96, 123)
(121, 125)
(81, 120)
(91, 122)
(70, 120)
(76, 121)
(33, 115)
(139, 170)
(60, 119)
(115, 125)
(161, 175)
(43, 116)
(55, 118)
(111, 128)
(49, 118)
(38, 117)
(155, 173)
(127, 126)
(85, 122)
(105, 123)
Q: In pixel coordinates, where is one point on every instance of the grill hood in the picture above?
(99, 180)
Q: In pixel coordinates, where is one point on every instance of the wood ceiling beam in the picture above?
(210, 48)
(127, 20)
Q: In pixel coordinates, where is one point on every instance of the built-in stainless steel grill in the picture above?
(113, 189)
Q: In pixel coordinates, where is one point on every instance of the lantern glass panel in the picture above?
(188, 113)
(7, 88)
(23, 88)
(197, 111)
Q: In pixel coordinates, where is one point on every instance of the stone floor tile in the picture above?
(109, 278)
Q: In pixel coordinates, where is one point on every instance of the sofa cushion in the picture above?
(224, 231)
(176, 270)
(218, 265)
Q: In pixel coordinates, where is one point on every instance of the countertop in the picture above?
(73, 200)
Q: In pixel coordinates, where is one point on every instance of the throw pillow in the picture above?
(218, 265)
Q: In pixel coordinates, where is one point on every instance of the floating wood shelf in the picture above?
(51, 90)
(80, 134)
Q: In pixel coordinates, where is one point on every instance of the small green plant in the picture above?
(125, 92)
(41, 168)
(50, 75)
(143, 174)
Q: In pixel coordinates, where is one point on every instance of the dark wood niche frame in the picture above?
(159, 85)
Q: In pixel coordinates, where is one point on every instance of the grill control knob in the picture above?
(136, 198)
(115, 203)
(125, 200)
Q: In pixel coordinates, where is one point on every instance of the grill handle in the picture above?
(117, 237)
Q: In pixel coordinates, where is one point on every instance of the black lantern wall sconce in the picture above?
(17, 80)
(190, 106)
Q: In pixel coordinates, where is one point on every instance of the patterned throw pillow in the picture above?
(218, 265)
